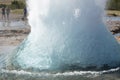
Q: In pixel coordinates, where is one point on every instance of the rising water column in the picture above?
(66, 33)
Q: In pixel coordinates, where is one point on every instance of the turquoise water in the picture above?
(66, 35)
(73, 75)
(64, 38)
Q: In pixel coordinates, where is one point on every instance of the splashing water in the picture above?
(68, 34)
(89, 74)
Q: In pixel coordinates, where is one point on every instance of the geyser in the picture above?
(66, 34)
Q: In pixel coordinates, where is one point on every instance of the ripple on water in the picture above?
(75, 75)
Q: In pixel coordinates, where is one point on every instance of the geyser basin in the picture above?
(66, 35)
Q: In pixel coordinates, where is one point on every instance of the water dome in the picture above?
(66, 35)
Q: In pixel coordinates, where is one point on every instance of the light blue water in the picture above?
(112, 18)
(15, 24)
(66, 35)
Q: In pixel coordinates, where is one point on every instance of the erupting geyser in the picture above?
(67, 34)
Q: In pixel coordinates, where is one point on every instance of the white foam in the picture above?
(74, 73)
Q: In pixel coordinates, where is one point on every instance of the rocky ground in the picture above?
(114, 27)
